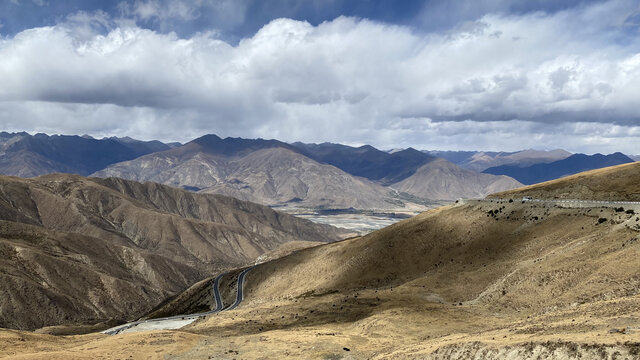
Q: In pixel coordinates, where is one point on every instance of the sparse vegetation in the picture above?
(428, 287)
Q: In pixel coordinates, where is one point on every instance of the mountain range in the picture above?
(264, 171)
(275, 173)
(78, 249)
(319, 176)
(548, 171)
(368, 162)
(27, 155)
(481, 160)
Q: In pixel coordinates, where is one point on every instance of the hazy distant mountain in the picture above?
(572, 165)
(635, 157)
(367, 161)
(410, 171)
(27, 155)
(456, 157)
(443, 180)
(75, 249)
(481, 160)
(325, 175)
(173, 144)
(264, 171)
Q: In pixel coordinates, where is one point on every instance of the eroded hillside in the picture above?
(88, 250)
(480, 279)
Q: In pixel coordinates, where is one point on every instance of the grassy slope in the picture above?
(453, 282)
(612, 183)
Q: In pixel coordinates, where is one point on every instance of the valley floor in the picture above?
(361, 222)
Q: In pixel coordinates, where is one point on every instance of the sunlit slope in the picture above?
(463, 254)
(615, 183)
(481, 279)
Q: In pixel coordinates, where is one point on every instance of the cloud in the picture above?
(35, 2)
(188, 15)
(154, 9)
(482, 84)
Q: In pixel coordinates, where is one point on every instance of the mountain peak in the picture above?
(237, 146)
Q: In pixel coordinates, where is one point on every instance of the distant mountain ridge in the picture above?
(572, 165)
(25, 155)
(367, 161)
(264, 171)
(481, 160)
(238, 146)
(310, 175)
(273, 172)
(409, 171)
(443, 180)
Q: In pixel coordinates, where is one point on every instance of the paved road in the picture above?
(240, 295)
(179, 318)
(216, 293)
(569, 202)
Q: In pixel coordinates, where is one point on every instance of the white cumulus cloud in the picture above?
(569, 79)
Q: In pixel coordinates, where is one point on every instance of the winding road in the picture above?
(216, 293)
(240, 295)
(178, 321)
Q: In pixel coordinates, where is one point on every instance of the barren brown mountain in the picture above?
(263, 171)
(443, 180)
(487, 279)
(77, 249)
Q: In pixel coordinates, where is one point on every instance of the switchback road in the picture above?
(240, 295)
(178, 321)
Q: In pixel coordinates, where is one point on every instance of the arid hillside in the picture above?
(490, 279)
(620, 182)
(86, 250)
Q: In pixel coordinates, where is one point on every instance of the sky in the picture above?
(433, 74)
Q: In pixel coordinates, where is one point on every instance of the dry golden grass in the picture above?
(612, 183)
(451, 281)
(485, 280)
